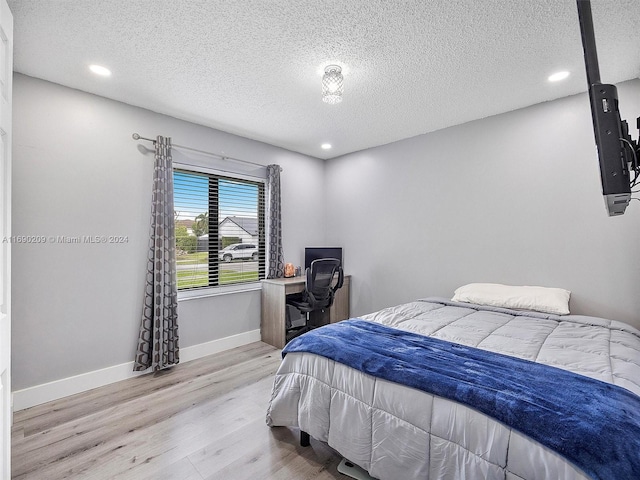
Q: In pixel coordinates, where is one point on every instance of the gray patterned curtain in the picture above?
(276, 257)
(158, 340)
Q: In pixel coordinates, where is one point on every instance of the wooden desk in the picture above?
(273, 309)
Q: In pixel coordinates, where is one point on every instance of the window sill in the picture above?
(217, 291)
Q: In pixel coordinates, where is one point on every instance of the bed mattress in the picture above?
(394, 431)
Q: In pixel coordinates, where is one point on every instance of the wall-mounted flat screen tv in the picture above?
(616, 148)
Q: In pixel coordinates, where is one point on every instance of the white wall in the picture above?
(77, 171)
(513, 198)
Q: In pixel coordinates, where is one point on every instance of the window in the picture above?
(219, 229)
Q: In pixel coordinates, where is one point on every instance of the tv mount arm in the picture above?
(588, 42)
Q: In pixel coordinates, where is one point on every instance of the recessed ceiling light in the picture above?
(556, 77)
(100, 70)
(325, 146)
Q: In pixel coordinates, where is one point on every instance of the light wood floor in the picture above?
(200, 420)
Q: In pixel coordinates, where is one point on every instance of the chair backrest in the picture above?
(319, 289)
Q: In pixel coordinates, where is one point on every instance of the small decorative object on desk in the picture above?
(298, 271)
(288, 270)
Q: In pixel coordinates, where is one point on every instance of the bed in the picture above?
(398, 431)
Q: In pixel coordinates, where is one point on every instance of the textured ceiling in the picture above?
(254, 67)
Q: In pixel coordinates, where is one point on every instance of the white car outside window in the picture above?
(238, 251)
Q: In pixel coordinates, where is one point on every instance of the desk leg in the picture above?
(272, 324)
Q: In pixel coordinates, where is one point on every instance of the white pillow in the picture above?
(539, 299)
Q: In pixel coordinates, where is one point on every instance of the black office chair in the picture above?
(318, 294)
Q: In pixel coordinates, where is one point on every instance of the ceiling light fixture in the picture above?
(332, 84)
(325, 146)
(100, 70)
(556, 77)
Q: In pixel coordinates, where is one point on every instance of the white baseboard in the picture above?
(64, 387)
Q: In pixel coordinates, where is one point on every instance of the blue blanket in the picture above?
(593, 424)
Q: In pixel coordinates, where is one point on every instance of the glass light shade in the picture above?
(332, 84)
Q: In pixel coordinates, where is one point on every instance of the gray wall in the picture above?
(76, 171)
(513, 198)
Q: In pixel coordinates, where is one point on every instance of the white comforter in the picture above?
(396, 432)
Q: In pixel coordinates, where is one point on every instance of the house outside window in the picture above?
(220, 225)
